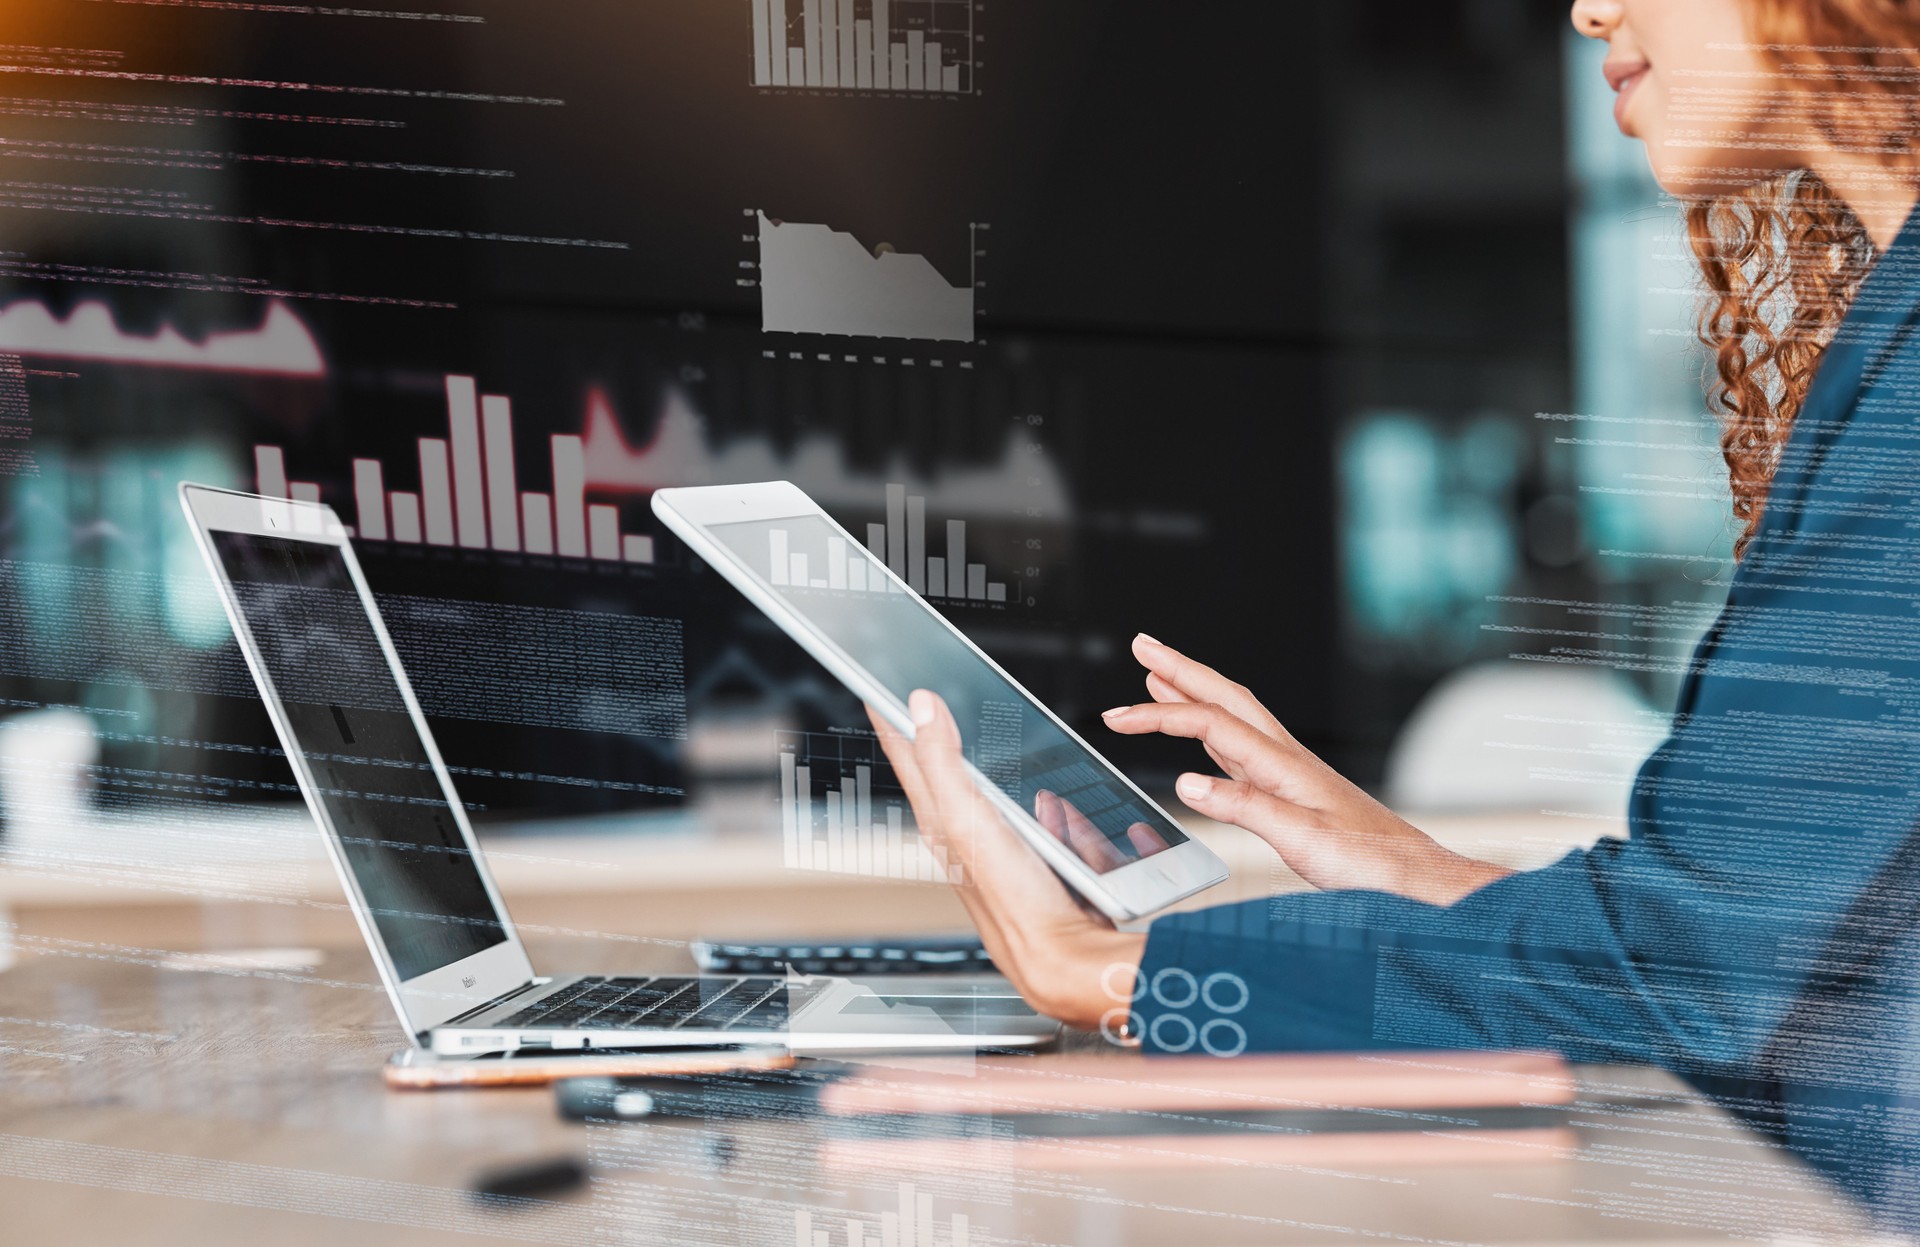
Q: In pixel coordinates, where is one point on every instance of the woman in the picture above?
(1756, 923)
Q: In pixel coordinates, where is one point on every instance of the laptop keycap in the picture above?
(955, 954)
(658, 1004)
(766, 1011)
(573, 1002)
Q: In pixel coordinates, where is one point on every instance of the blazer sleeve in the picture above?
(1773, 857)
(1601, 962)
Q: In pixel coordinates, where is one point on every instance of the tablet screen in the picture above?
(842, 590)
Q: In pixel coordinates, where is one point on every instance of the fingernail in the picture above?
(1141, 636)
(920, 706)
(1115, 713)
(1193, 787)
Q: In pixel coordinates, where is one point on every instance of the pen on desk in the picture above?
(531, 1179)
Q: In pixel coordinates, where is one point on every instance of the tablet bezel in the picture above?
(1131, 891)
(426, 1000)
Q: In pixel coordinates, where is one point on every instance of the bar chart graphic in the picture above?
(911, 1225)
(900, 544)
(833, 818)
(865, 45)
(469, 493)
(816, 279)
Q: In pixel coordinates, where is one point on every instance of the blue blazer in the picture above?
(1755, 934)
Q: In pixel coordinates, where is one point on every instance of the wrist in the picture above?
(1446, 877)
(1095, 979)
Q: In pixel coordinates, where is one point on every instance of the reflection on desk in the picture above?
(153, 1105)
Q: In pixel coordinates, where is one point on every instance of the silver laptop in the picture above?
(416, 878)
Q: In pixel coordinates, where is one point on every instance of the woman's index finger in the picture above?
(1196, 681)
(1234, 743)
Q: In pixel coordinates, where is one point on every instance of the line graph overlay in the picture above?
(281, 345)
(818, 280)
(1023, 478)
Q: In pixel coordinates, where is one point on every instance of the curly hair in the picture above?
(1783, 256)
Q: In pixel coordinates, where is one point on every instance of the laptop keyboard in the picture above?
(862, 958)
(658, 1004)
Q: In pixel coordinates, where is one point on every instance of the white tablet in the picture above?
(841, 603)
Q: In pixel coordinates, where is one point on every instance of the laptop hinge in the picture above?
(521, 990)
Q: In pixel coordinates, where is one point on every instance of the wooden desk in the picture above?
(141, 1103)
(156, 1106)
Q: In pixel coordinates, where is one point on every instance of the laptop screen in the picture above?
(348, 720)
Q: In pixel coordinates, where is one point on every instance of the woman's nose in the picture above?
(1596, 19)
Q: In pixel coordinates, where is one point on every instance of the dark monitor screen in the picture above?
(370, 766)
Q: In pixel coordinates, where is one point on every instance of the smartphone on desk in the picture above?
(424, 1069)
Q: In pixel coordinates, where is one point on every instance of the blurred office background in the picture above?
(1346, 347)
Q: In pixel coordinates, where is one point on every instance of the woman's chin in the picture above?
(1676, 174)
(1681, 181)
(1690, 172)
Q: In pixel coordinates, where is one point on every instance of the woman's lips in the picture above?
(1623, 78)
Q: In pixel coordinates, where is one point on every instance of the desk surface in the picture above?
(141, 1104)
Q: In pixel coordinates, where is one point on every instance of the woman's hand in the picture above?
(1326, 829)
(1068, 962)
